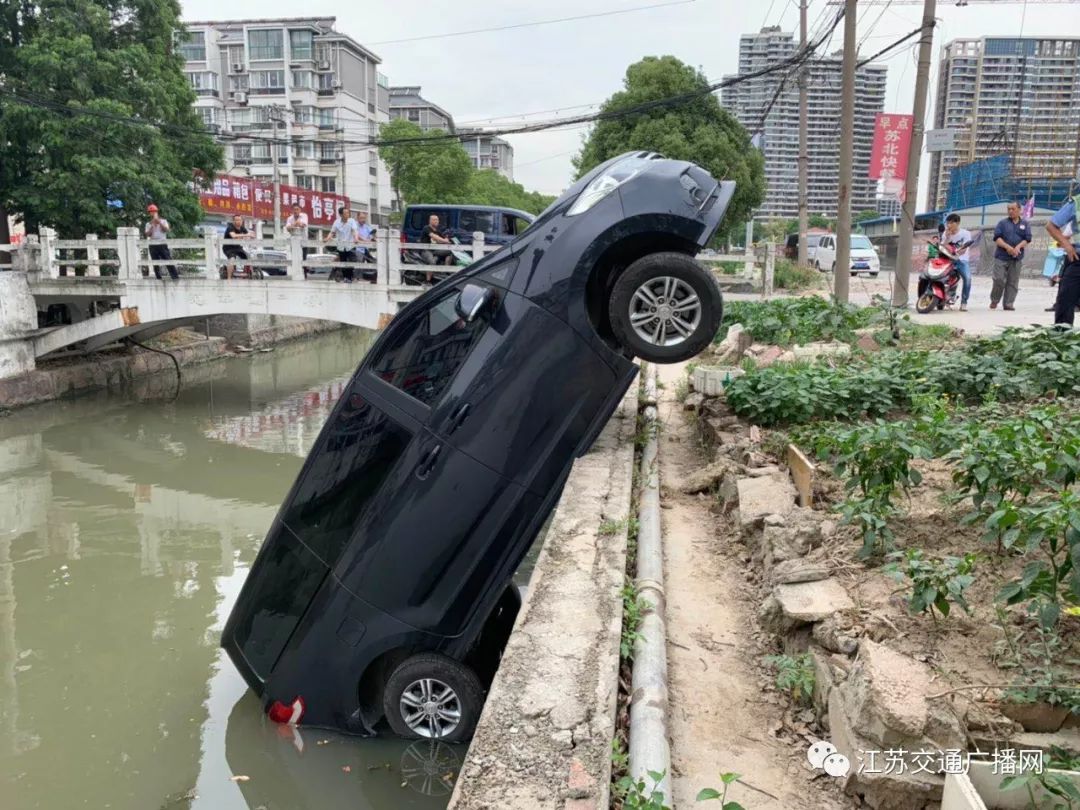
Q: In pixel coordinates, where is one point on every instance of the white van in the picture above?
(864, 257)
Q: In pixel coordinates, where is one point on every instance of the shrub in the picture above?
(794, 675)
(784, 321)
(787, 275)
(935, 584)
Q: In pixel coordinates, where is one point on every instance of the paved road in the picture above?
(1035, 295)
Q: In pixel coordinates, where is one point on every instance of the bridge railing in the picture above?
(128, 257)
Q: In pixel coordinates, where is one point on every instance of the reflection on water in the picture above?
(127, 525)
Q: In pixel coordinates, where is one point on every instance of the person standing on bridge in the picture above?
(365, 234)
(157, 231)
(345, 236)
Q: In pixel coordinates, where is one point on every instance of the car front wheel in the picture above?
(433, 697)
(665, 308)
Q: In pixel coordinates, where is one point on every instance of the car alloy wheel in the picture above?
(665, 311)
(430, 708)
(665, 307)
(433, 697)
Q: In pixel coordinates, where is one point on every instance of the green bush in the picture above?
(787, 275)
(1014, 366)
(784, 321)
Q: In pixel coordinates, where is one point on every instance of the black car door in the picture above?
(434, 540)
(526, 396)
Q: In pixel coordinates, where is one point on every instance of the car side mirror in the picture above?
(471, 301)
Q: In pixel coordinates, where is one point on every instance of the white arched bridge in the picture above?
(108, 289)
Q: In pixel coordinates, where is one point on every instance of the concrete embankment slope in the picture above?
(544, 739)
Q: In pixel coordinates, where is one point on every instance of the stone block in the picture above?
(806, 602)
(790, 572)
(710, 380)
(693, 401)
(816, 351)
(768, 495)
(731, 349)
(708, 478)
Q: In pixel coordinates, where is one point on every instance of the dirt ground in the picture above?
(721, 718)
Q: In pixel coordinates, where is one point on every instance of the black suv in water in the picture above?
(383, 588)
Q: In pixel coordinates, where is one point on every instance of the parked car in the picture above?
(864, 257)
(383, 588)
(791, 247)
(500, 226)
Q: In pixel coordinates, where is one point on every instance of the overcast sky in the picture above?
(561, 68)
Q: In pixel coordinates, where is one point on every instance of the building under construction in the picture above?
(1016, 102)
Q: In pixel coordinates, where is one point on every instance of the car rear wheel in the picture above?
(665, 308)
(872, 275)
(433, 697)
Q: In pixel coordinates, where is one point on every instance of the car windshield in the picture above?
(861, 242)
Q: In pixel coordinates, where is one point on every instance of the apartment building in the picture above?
(407, 103)
(488, 151)
(1015, 96)
(295, 79)
(776, 129)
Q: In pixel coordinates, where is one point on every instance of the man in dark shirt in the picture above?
(1011, 236)
(235, 230)
(432, 233)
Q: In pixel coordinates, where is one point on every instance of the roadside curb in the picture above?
(544, 738)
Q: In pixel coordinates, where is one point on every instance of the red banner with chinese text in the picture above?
(229, 195)
(892, 144)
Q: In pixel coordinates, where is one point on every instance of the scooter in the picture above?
(939, 280)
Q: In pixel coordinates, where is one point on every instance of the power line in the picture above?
(531, 24)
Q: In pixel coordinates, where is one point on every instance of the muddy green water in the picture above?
(127, 525)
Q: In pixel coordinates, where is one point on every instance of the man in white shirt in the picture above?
(297, 223)
(157, 230)
(345, 235)
(958, 239)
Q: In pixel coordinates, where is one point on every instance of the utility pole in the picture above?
(841, 277)
(804, 157)
(911, 183)
(277, 115)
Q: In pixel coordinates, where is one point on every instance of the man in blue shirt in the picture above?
(365, 235)
(1068, 295)
(1011, 236)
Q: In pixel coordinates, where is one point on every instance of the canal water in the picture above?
(127, 526)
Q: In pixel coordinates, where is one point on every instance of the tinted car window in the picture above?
(476, 221)
(423, 356)
(288, 578)
(359, 450)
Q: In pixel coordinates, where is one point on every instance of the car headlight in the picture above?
(604, 184)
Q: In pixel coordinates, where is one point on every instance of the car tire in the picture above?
(654, 279)
(446, 695)
(872, 275)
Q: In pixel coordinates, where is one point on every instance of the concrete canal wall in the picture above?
(116, 369)
(544, 739)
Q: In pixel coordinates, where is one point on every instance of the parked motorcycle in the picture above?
(940, 278)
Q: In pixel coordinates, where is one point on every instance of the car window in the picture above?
(514, 225)
(417, 219)
(362, 446)
(423, 355)
(812, 241)
(471, 221)
(861, 242)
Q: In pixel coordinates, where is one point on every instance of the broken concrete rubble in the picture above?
(710, 380)
(816, 351)
(708, 478)
(760, 497)
(730, 350)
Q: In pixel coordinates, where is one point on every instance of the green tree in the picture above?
(697, 129)
(488, 187)
(426, 171)
(94, 105)
(863, 216)
(818, 221)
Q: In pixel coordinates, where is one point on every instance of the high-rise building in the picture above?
(488, 151)
(407, 103)
(296, 80)
(1008, 96)
(776, 129)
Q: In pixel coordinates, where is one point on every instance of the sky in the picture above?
(547, 71)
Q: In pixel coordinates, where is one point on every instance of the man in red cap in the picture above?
(157, 230)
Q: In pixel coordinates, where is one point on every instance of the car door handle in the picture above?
(458, 417)
(427, 462)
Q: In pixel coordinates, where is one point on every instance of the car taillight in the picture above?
(290, 713)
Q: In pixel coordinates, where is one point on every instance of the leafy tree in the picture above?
(697, 129)
(427, 171)
(488, 187)
(95, 106)
(818, 221)
(863, 216)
